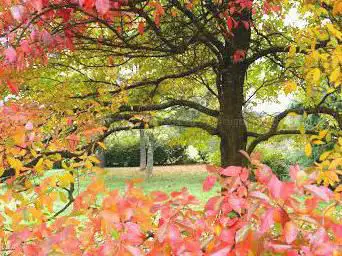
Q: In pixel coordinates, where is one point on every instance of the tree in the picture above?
(142, 149)
(223, 41)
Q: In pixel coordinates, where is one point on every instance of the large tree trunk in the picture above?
(231, 125)
(231, 77)
(142, 150)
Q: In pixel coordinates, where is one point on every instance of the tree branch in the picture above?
(171, 103)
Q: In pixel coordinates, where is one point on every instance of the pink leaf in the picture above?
(10, 55)
(236, 204)
(102, 6)
(29, 126)
(37, 4)
(231, 171)
(134, 251)
(321, 192)
(287, 189)
(267, 221)
(222, 252)
(227, 236)
(294, 169)
(46, 37)
(279, 248)
(263, 174)
(275, 187)
(208, 183)
(260, 195)
(290, 232)
(17, 12)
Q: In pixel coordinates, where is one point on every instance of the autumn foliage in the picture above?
(265, 217)
(253, 214)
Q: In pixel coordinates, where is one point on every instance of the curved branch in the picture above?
(171, 103)
(152, 82)
(279, 49)
(267, 136)
(273, 131)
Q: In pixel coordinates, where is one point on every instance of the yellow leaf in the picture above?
(335, 75)
(94, 159)
(292, 51)
(317, 142)
(102, 145)
(308, 150)
(314, 75)
(15, 164)
(39, 166)
(338, 189)
(322, 134)
(66, 179)
(289, 87)
(324, 156)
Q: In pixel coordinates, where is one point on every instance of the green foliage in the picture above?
(128, 155)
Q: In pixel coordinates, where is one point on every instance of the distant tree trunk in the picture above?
(150, 149)
(142, 150)
(100, 154)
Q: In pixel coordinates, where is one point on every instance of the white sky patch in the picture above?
(295, 19)
(274, 107)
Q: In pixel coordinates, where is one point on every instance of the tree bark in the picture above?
(231, 124)
(142, 150)
(231, 77)
(150, 151)
(100, 154)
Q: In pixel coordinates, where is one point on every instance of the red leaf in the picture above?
(230, 23)
(208, 183)
(263, 174)
(213, 168)
(290, 232)
(12, 87)
(141, 27)
(10, 55)
(232, 171)
(238, 56)
(159, 196)
(246, 24)
(102, 6)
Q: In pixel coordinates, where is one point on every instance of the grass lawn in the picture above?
(165, 178)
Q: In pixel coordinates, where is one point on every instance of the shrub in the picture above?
(129, 155)
(266, 217)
